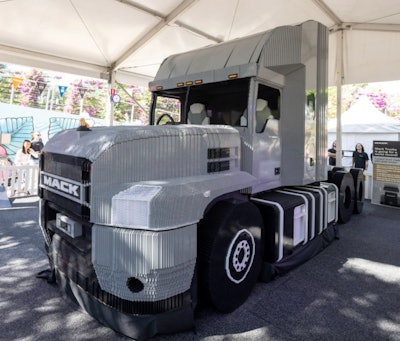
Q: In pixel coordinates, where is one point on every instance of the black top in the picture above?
(83, 128)
(37, 146)
(360, 159)
(332, 160)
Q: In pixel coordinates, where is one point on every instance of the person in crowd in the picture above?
(24, 155)
(332, 154)
(37, 143)
(360, 157)
(4, 161)
(83, 125)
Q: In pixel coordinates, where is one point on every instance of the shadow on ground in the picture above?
(348, 292)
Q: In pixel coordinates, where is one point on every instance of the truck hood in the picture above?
(91, 144)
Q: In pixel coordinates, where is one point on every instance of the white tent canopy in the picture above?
(363, 123)
(126, 40)
(364, 117)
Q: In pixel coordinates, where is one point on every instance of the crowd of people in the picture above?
(27, 155)
(360, 158)
(30, 150)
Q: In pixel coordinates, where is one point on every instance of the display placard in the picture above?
(386, 174)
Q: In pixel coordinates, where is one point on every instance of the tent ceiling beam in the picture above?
(327, 10)
(364, 27)
(170, 18)
(373, 27)
(142, 8)
(164, 18)
(49, 62)
(132, 78)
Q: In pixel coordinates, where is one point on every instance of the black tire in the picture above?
(230, 250)
(332, 171)
(344, 181)
(330, 176)
(359, 189)
(336, 168)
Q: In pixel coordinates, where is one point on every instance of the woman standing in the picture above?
(23, 156)
(360, 157)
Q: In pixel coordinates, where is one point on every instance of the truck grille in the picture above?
(65, 180)
(222, 159)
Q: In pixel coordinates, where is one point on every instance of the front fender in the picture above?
(173, 203)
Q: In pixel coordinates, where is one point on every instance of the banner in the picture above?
(16, 81)
(62, 89)
(82, 92)
(386, 173)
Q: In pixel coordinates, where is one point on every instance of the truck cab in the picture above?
(266, 89)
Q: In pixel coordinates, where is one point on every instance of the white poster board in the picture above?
(386, 174)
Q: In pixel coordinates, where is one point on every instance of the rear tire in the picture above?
(230, 253)
(344, 181)
(358, 178)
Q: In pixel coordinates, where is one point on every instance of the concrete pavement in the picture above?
(350, 291)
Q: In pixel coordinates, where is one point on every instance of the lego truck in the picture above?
(228, 185)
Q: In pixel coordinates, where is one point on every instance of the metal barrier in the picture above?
(20, 180)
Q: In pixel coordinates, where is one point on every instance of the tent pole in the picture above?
(110, 103)
(339, 83)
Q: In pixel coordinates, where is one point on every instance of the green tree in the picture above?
(95, 99)
(351, 94)
(72, 98)
(29, 90)
(5, 84)
(134, 104)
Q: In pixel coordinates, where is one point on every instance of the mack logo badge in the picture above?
(61, 185)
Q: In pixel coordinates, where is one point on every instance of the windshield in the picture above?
(167, 110)
(215, 103)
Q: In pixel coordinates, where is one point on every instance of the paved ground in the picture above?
(350, 291)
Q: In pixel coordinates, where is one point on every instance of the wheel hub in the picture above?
(240, 256)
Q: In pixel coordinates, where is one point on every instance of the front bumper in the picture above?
(142, 314)
(136, 326)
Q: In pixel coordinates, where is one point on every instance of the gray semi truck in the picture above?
(227, 185)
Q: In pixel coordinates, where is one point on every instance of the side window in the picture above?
(167, 109)
(267, 107)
